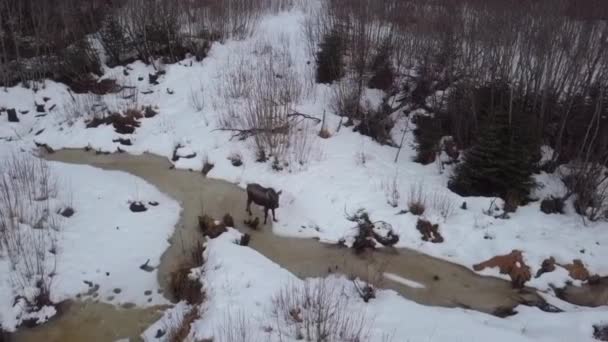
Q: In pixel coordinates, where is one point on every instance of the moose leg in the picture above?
(274, 217)
(248, 206)
(265, 214)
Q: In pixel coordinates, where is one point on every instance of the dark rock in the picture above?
(552, 205)
(463, 206)
(170, 91)
(122, 141)
(245, 239)
(149, 112)
(140, 78)
(52, 107)
(147, 293)
(159, 333)
(39, 132)
(153, 203)
(117, 290)
(125, 72)
(153, 79)
(46, 99)
(12, 115)
(24, 112)
(147, 92)
(207, 167)
(146, 267)
(40, 108)
(67, 212)
(137, 207)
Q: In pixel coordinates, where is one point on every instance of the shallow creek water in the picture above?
(445, 284)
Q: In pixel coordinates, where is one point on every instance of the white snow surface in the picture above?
(103, 242)
(241, 285)
(343, 173)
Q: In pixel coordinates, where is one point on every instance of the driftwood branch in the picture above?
(244, 133)
(305, 116)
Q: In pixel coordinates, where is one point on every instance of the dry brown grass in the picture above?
(416, 201)
(181, 329)
(181, 285)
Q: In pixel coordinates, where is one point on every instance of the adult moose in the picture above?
(265, 197)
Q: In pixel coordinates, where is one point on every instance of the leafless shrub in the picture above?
(235, 327)
(588, 183)
(417, 200)
(317, 311)
(443, 204)
(83, 106)
(28, 225)
(345, 100)
(237, 82)
(182, 284)
(197, 97)
(361, 157)
(300, 146)
(391, 191)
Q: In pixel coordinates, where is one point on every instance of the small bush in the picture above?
(391, 191)
(416, 201)
(317, 311)
(428, 136)
(442, 203)
(377, 124)
(382, 69)
(181, 285)
(324, 133)
(260, 155)
(228, 220)
(552, 205)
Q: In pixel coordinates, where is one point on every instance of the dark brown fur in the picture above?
(265, 197)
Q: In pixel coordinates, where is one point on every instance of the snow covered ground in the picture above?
(243, 287)
(343, 173)
(103, 243)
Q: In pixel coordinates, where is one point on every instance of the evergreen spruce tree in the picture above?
(113, 40)
(329, 58)
(382, 68)
(498, 164)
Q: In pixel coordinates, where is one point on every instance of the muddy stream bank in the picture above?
(445, 284)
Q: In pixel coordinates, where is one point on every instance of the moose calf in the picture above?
(265, 197)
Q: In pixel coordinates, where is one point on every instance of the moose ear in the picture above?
(280, 191)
